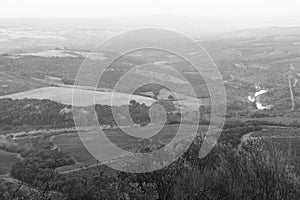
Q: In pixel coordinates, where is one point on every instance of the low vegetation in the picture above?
(256, 170)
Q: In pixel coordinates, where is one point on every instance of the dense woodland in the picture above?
(31, 114)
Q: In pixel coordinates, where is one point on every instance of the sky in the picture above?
(211, 16)
(258, 9)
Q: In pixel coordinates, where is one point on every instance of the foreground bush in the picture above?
(258, 171)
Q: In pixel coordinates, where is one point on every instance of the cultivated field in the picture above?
(7, 160)
(83, 97)
(278, 132)
(72, 145)
(65, 53)
(11, 83)
(282, 120)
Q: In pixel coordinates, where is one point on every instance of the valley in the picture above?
(40, 142)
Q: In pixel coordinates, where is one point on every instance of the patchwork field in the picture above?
(11, 83)
(58, 53)
(71, 143)
(7, 160)
(278, 132)
(282, 120)
(83, 97)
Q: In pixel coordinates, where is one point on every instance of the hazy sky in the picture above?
(262, 9)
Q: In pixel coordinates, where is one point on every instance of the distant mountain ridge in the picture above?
(262, 32)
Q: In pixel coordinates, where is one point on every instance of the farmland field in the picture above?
(7, 160)
(83, 97)
(72, 145)
(282, 120)
(11, 83)
(275, 132)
